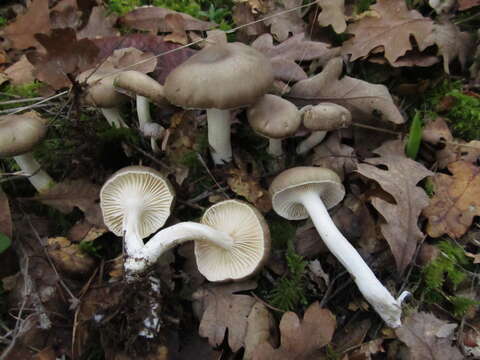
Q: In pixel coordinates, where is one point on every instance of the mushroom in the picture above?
(321, 118)
(300, 192)
(18, 135)
(101, 93)
(274, 118)
(136, 201)
(144, 89)
(218, 78)
(232, 242)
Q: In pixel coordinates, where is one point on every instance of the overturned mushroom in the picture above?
(302, 192)
(18, 136)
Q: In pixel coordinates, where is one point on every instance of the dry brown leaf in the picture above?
(5, 215)
(242, 15)
(467, 4)
(399, 180)
(21, 72)
(152, 18)
(364, 100)
(429, 338)
(35, 20)
(333, 13)
(458, 150)
(68, 257)
(300, 339)
(367, 349)
(176, 23)
(436, 131)
(100, 24)
(260, 328)
(286, 24)
(225, 310)
(128, 58)
(456, 200)
(295, 48)
(391, 28)
(65, 17)
(256, 6)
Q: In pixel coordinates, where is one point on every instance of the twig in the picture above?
(200, 158)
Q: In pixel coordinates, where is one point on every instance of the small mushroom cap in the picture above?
(274, 117)
(20, 133)
(100, 90)
(251, 245)
(289, 184)
(136, 187)
(133, 83)
(220, 76)
(326, 117)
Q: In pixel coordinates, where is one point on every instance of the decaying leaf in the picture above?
(366, 350)
(467, 4)
(223, 309)
(242, 15)
(176, 23)
(456, 200)
(128, 58)
(260, 329)
(390, 26)
(36, 20)
(21, 72)
(300, 339)
(100, 24)
(429, 338)
(399, 180)
(68, 257)
(333, 13)
(287, 23)
(295, 48)
(5, 215)
(364, 100)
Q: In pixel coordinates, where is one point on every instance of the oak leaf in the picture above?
(333, 13)
(100, 24)
(390, 28)
(300, 339)
(22, 31)
(400, 181)
(295, 48)
(224, 309)
(260, 328)
(456, 200)
(20, 72)
(284, 24)
(364, 100)
(429, 338)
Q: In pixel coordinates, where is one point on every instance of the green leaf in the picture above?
(5, 242)
(414, 137)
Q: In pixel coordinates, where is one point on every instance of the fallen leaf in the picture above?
(300, 339)
(367, 349)
(456, 200)
(260, 328)
(458, 150)
(225, 310)
(467, 4)
(176, 24)
(351, 335)
(21, 72)
(363, 99)
(283, 24)
(65, 17)
(65, 55)
(152, 18)
(424, 334)
(399, 180)
(68, 257)
(100, 24)
(243, 15)
(295, 48)
(256, 6)
(128, 58)
(5, 215)
(84, 231)
(35, 20)
(333, 13)
(436, 131)
(46, 354)
(391, 27)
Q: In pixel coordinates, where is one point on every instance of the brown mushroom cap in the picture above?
(220, 76)
(133, 83)
(286, 187)
(20, 133)
(274, 117)
(326, 117)
(136, 186)
(251, 245)
(100, 91)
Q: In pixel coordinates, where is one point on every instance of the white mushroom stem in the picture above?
(145, 120)
(275, 147)
(37, 177)
(311, 141)
(132, 240)
(219, 135)
(113, 117)
(372, 289)
(170, 237)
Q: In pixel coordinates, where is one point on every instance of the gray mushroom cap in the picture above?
(326, 117)
(220, 76)
(133, 83)
(20, 133)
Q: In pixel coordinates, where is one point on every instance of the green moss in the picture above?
(121, 7)
(91, 248)
(12, 92)
(3, 21)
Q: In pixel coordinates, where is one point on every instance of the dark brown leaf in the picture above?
(100, 24)
(284, 23)
(5, 215)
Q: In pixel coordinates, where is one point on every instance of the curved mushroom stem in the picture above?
(145, 119)
(372, 289)
(219, 135)
(170, 237)
(132, 240)
(311, 141)
(113, 117)
(37, 177)
(275, 147)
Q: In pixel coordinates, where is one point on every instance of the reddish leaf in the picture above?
(5, 216)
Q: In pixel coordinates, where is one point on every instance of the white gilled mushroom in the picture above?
(319, 119)
(274, 118)
(231, 243)
(144, 89)
(18, 135)
(300, 192)
(136, 201)
(218, 78)
(101, 93)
